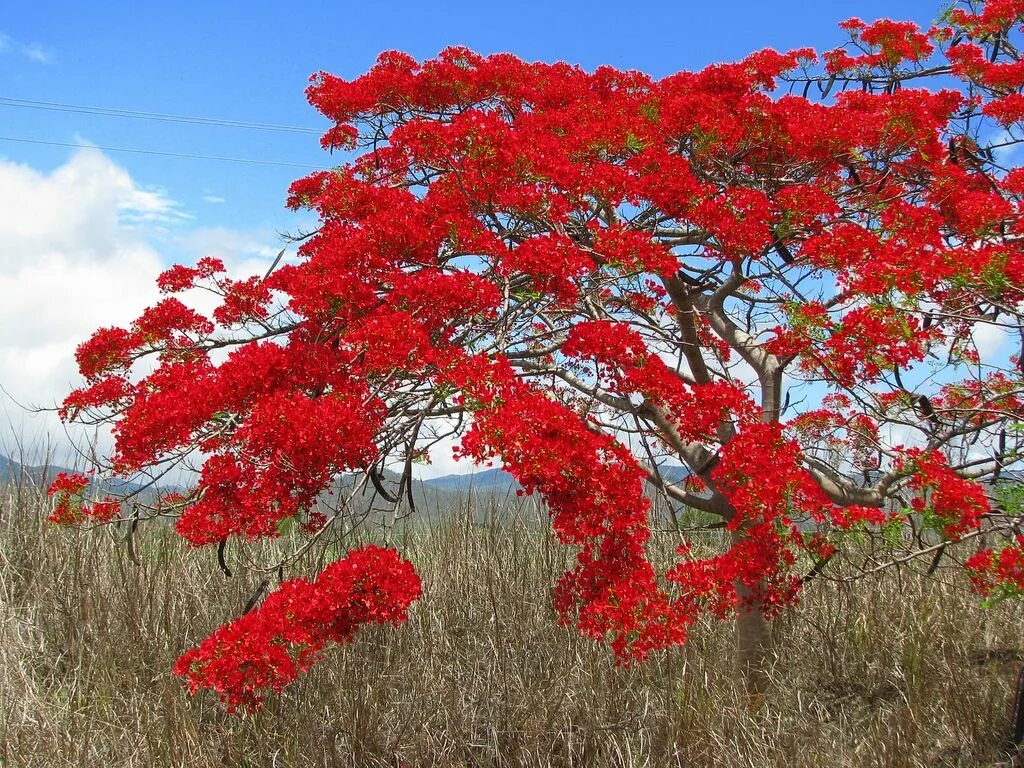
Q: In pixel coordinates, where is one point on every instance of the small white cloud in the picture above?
(992, 341)
(136, 205)
(150, 206)
(31, 51)
(213, 199)
(245, 253)
(442, 461)
(36, 53)
(1007, 147)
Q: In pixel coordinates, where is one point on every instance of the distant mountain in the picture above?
(8, 469)
(41, 475)
(362, 497)
(498, 481)
(484, 481)
(12, 471)
(674, 473)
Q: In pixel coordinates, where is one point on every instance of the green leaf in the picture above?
(286, 526)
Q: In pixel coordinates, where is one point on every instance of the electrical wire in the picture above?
(166, 154)
(56, 106)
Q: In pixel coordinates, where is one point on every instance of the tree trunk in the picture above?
(753, 649)
(753, 642)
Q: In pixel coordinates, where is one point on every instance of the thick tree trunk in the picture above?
(753, 643)
(753, 649)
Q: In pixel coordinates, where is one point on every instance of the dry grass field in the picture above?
(899, 671)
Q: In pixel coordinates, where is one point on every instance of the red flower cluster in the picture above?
(957, 504)
(696, 410)
(281, 458)
(71, 508)
(995, 16)
(269, 647)
(999, 572)
(593, 488)
(888, 44)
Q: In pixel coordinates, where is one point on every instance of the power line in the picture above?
(56, 106)
(166, 154)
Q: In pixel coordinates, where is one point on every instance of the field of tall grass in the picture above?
(902, 670)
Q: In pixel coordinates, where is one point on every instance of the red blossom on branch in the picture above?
(269, 647)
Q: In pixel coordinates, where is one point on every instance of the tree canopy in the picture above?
(800, 277)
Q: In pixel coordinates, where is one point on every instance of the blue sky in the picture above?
(216, 60)
(84, 232)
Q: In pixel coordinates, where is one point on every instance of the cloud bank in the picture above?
(73, 258)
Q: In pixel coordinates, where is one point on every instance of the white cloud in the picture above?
(213, 199)
(73, 258)
(244, 252)
(992, 341)
(31, 51)
(1005, 155)
(36, 53)
(442, 461)
(150, 206)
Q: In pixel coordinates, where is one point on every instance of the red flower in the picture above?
(267, 648)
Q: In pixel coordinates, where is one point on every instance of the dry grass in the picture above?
(885, 673)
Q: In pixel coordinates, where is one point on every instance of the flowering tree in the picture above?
(796, 277)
